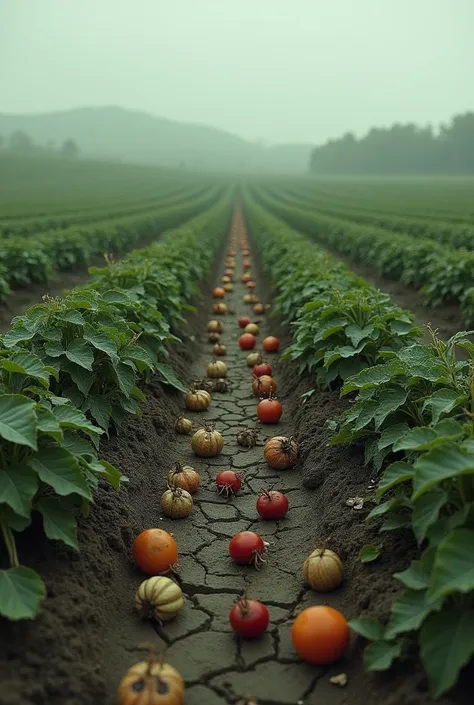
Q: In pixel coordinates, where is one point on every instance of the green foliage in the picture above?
(413, 407)
(70, 369)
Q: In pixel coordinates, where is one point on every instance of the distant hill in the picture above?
(133, 136)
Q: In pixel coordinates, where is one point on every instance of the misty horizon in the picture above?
(277, 73)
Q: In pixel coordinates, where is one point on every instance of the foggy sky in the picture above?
(282, 70)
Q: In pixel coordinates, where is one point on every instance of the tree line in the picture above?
(401, 149)
(19, 142)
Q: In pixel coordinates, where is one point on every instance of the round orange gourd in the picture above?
(320, 635)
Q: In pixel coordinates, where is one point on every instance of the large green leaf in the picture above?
(368, 627)
(101, 341)
(125, 377)
(453, 569)
(446, 645)
(71, 316)
(390, 401)
(369, 553)
(380, 655)
(409, 612)
(27, 363)
(395, 474)
(99, 409)
(79, 352)
(18, 420)
(417, 576)
(442, 402)
(16, 335)
(59, 469)
(18, 485)
(58, 522)
(415, 439)
(48, 423)
(71, 417)
(391, 435)
(21, 591)
(426, 511)
(169, 376)
(81, 377)
(440, 464)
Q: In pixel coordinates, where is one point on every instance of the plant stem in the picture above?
(9, 540)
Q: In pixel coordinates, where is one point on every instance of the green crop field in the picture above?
(227, 345)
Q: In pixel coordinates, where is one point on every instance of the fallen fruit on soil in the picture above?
(250, 299)
(249, 618)
(320, 635)
(247, 341)
(197, 399)
(280, 452)
(323, 570)
(254, 359)
(228, 483)
(215, 327)
(246, 277)
(247, 437)
(243, 321)
(220, 385)
(263, 386)
(218, 292)
(247, 548)
(155, 551)
(214, 337)
(251, 285)
(269, 410)
(159, 598)
(259, 308)
(271, 344)
(151, 682)
(184, 476)
(216, 369)
(207, 442)
(247, 264)
(176, 503)
(183, 425)
(228, 286)
(219, 308)
(272, 505)
(262, 368)
(252, 328)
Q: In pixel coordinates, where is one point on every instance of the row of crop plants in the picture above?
(413, 410)
(27, 260)
(71, 369)
(453, 234)
(34, 225)
(442, 273)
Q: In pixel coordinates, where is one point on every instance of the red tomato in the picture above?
(245, 253)
(218, 292)
(320, 634)
(247, 341)
(228, 483)
(264, 368)
(243, 321)
(251, 285)
(249, 618)
(263, 386)
(269, 411)
(155, 551)
(247, 548)
(247, 264)
(272, 505)
(271, 344)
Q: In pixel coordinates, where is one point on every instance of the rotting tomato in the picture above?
(249, 618)
(247, 548)
(247, 341)
(243, 321)
(272, 505)
(263, 386)
(155, 551)
(264, 368)
(320, 634)
(228, 483)
(271, 344)
(269, 410)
